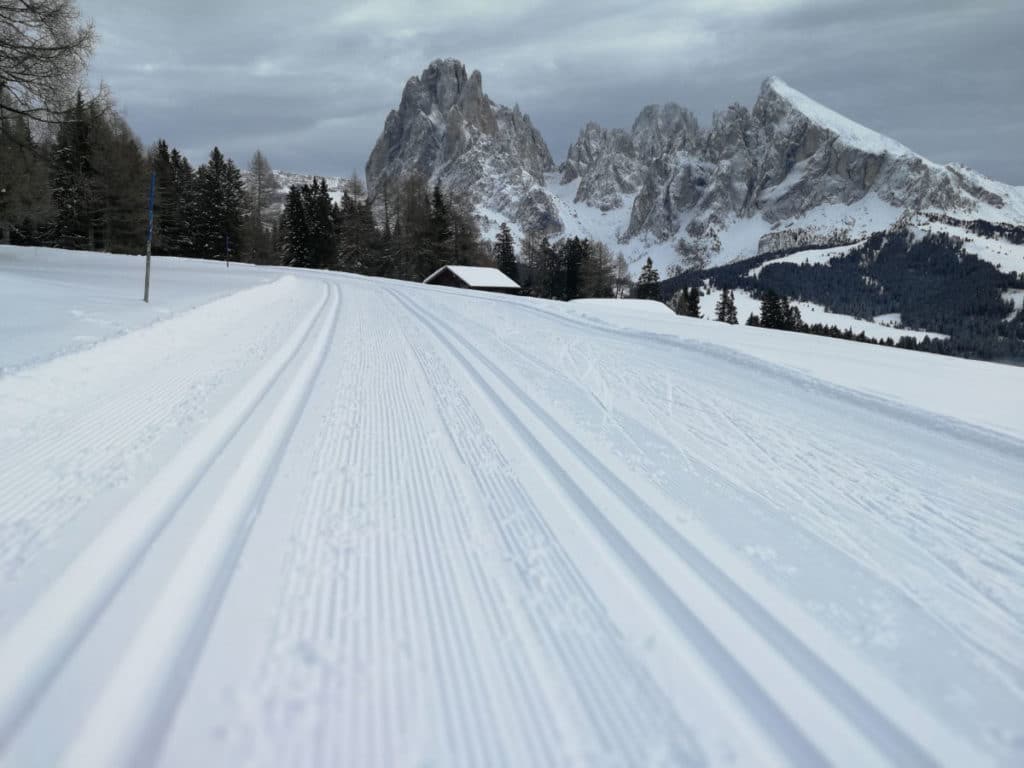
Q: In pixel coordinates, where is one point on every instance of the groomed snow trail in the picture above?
(362, 522)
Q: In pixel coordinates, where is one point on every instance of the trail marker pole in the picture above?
(149, 234)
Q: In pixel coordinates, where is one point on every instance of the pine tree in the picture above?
(725, 308)
(731, 317)
(791, 319)
(220, 197)
(24, 187)
(180, 232)
(504, 252)
(721, 312)
(648, 284)
(71, 175)
(295, 231)
(551, 277)
(693, 302)
(441, 251)
(574, 257)
(320, 226)
(772, 315)
(119, 185)
(351, 257)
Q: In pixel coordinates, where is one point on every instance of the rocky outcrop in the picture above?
(447, 130)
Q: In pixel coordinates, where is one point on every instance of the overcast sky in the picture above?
(310, 83)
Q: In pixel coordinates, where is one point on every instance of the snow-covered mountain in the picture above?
(448, 130)
(787, 173)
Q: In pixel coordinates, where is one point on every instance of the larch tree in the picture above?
(260, 185)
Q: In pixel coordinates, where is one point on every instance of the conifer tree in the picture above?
(179, 236)
(725, 308)
(441, 251)
(693, 302)
(772, 315)
(504, 252)
(24, 188)
(71, 173)
(648, 284)
(295, 231)
(220, 197)
(319, 224)
(120, 183)
(791, 319)
(731, 317)
(574, 257)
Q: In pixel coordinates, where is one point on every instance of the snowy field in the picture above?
(284, 518)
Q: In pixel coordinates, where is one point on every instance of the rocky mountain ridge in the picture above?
(787, 170)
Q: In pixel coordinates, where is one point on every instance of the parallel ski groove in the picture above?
(884, 734)
(31, 515)
(34, 649)
(596, 668)
(159, 658)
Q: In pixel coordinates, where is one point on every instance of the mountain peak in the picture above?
(775, 92)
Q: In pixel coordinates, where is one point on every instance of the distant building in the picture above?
(476, 278)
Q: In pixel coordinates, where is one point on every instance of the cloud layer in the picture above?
(311, 83)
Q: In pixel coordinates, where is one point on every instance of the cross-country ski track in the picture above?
(327, 520)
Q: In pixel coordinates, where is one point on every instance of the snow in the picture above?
(620, 307)
(809, 257)
(849, 132)
(329, 520)
(478, 277)
(883, 326)
(1016, 296)
(54, 302)
(1002, 254)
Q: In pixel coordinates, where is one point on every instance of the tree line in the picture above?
(85, 186)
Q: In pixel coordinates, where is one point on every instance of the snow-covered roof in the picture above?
(478, 277)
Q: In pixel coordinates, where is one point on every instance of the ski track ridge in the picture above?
(32, 514)
(904, 412)
(139, 701)
(873, 725)
(34, 650)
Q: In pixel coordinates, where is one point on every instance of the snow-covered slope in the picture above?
(55, 302)
(332, 520)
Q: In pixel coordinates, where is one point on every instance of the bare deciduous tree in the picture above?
(44, 49)
(260, 185)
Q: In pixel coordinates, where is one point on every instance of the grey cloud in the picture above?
(312, 84)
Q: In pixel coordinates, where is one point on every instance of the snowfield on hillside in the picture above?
(298, 518)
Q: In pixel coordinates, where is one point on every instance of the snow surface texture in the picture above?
(53, 305)
(334, 520)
